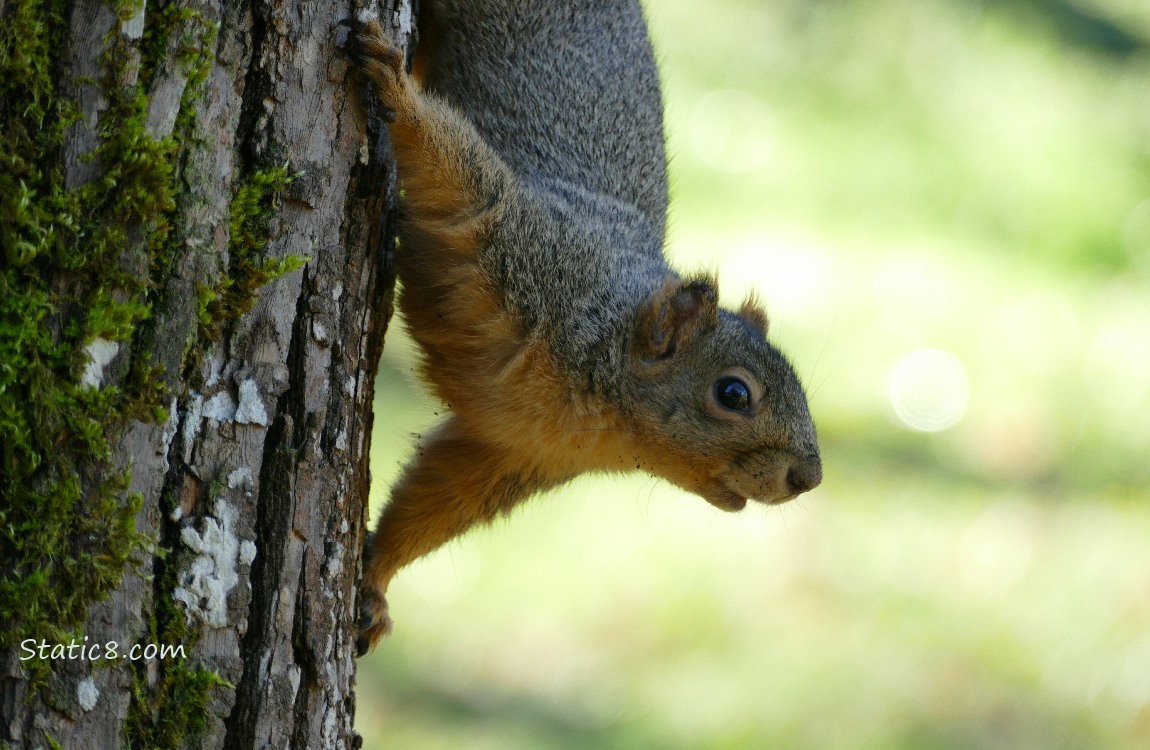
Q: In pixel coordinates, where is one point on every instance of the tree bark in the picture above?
(253, 483)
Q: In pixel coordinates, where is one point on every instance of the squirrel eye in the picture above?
(733, 394)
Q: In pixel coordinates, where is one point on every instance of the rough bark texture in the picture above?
(254, 490)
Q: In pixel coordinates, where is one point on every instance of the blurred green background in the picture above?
(946, 206)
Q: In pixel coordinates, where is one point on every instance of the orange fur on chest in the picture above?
(535, 410)
(506, 387)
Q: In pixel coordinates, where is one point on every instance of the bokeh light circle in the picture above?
(732, 131)
(929, 390)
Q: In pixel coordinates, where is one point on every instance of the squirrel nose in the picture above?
(805, 474)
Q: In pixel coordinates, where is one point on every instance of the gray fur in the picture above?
(568, 95)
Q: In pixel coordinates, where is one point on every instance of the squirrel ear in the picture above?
(673, 315)
(752, 311)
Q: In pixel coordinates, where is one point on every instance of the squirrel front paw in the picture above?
(380, 59)
(374, 621)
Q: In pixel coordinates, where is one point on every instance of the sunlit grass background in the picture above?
(946, 206)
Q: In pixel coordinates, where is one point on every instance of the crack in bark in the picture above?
(273, 528)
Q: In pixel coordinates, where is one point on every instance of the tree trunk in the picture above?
(195, 221)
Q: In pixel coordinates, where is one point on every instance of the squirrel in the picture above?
(531, 275)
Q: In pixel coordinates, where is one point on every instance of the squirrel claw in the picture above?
(374, 621)
(379, 58)
(367, 45)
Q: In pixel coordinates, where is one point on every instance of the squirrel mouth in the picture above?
(725, 499)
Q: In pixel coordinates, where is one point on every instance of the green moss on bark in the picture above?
(78, 267)
(249, 218)
(67, 525)
(81, 269)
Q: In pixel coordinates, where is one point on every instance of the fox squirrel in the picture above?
(533, 280)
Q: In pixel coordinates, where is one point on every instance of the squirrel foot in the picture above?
(380, 59)
(374, 621)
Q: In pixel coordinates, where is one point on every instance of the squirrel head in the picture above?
(712, 405)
